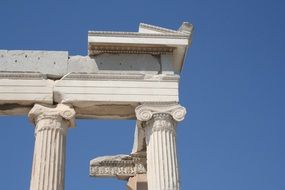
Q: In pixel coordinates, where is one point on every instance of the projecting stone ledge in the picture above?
(120, 166)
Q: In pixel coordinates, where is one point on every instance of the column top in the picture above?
(62, 110)
(145, 112)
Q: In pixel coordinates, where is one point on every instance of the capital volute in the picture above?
(39, 112)
(146, 111)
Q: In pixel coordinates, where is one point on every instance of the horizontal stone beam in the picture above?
(111, 87)
(97, 95)
(20, 91)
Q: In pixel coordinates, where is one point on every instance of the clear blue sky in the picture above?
(232, 84)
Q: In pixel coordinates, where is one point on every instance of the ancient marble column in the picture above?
(160, 122)
(51, 124)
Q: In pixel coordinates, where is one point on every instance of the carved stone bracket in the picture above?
(120, 166)
(146, 111)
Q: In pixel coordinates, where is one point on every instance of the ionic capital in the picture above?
(60, 112)
(146, 112)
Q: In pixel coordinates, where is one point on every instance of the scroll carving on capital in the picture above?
(58, 112)
(146, 111)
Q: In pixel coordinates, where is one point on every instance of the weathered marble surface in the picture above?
(107, 62)
(51, 63)
(120, 166)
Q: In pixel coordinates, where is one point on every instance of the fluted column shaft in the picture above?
(160, 126)
(51, 124)
(161, 153)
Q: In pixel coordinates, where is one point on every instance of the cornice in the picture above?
(178, 35)
(157, 28)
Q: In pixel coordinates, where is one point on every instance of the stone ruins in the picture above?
(126, 75)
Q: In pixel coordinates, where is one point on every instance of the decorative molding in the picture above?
(22, 75)
(146, 111)
(178, 35)
(120, 166)
(121, 76)
(99, 49)
(104, 76)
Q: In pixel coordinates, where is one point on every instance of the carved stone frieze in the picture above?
(120, 166)
(22, 75)
(130, 50)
